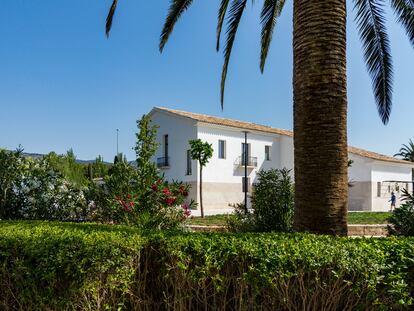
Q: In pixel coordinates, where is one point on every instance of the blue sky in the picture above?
(63, 84)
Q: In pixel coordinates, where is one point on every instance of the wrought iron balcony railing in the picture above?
(163, 162)
(251, 161)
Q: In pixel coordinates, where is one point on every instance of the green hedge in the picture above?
(63, 266)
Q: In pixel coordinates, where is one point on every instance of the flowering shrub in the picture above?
(52, 188)
(37, 191)
(162, 206)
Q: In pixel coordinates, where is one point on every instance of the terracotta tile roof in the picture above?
(227, 122)
(376, 156)
(267, 129)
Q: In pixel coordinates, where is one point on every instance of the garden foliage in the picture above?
(201, 151)
(64, 266)
(401, 221)
(272, 204)
(58, 188)
(34, 189)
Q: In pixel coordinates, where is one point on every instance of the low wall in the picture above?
(353, 230)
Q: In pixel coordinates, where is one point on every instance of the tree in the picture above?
(99, 168)
(11, 169)
(120, 157)
(406, 151)
(319, 87)
(145, 148)
(202, 152)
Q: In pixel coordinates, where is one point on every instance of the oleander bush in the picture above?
(65, 266)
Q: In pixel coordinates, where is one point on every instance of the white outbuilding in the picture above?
(372, 176)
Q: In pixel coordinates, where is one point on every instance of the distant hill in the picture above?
(39, 155)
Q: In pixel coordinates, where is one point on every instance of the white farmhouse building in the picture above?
(373, 176)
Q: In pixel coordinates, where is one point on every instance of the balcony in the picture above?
(163, 162)
(251, 162)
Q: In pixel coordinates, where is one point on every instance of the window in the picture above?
(244, 184)
(379, 189)
(267, 153)
(222, 149)
(166, 146)
(189, 168)
(245, 152)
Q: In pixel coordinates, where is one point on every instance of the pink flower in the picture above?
(170, 200)
(187, 212)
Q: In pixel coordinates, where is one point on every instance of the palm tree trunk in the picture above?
(320, 114)
(201, 191)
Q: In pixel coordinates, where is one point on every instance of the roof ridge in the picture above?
(193, 115)
(273, 130)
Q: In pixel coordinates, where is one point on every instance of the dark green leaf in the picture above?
(404, 9)
(177, 8)
(222, 13)
(372, 30)
(270, 12)
(235, 14)
(110, 17)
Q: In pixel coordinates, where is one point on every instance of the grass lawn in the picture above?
(215, 220)
(368, 217)
(353, 218)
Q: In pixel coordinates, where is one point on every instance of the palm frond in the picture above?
(404, 9)
(221, 14)
(270, 12)
(177, 8)
(235, 14)
(110, 17)
(371, 23)
(406, 151)
(406, 196)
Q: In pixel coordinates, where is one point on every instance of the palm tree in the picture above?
(319, 83)
(406, 151)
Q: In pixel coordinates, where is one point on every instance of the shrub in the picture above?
(55, 266)
(11, 170)
(272, 204)
(240, 221)
(139, 196)
(161, 206)
(401, 221)
(36, 190)
(56, 188)
(272, 201)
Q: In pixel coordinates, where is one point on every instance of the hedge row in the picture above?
(56, 266)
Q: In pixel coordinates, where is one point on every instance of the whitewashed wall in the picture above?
(179, 131)
(365, 173)
(360, 191)
(226, 170)
(222, 178)
(388, 174)
(286, 154)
